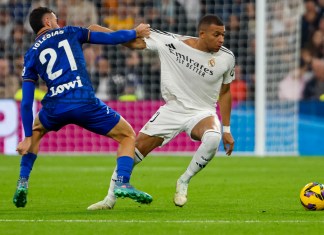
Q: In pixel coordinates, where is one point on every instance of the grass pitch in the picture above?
(232, 195)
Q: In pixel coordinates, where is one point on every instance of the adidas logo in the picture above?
(200, 165)
(170, 46)
(205, 159)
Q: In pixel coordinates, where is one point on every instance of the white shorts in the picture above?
(172, 119)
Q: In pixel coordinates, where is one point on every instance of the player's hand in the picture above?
(228, 142)
(24, 146)
(142, 30)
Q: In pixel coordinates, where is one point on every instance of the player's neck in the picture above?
(42, 31)
(196, 44)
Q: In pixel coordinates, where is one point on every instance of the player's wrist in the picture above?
(226, 129)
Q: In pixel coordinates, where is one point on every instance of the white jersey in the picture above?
(188, 75)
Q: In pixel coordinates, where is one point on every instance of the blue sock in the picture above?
(124, 168)
(26, 164)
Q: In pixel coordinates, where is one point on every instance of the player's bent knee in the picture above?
(128, 132)
(121, 131)
(211, 140)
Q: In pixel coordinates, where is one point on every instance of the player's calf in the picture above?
(204, 154)
(111, 198)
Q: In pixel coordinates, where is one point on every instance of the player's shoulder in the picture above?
(161, 33)
(30, 53)
(70, 28)
(227, 52)
(82, 34)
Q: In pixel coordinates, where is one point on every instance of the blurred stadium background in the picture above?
(278, 93)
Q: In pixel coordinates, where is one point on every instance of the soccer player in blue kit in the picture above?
(57, 58)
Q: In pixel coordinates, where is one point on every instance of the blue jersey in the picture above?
(57, 58)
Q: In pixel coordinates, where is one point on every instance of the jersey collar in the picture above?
(42, 33)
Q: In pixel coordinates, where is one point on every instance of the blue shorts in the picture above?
(98, 118)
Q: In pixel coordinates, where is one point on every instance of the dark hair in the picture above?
(36, 18)
(209, 20)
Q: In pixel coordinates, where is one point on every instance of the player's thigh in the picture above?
(50, 121)
(121, 130)
(210, 122)
(38, 126)
(97, 118)
(165, 124)
(146, 143)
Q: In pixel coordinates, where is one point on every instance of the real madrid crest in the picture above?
(211, 62)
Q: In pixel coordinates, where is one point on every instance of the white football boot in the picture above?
(180, 197)
(107, 204)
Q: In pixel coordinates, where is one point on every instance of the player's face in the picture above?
(213, 37)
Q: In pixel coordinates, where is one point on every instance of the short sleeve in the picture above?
(151, 43)
(157, 39)
(229, 76)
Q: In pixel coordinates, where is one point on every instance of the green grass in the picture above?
(232, 195)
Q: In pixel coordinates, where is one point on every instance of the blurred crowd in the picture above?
(311, 70)
(118, 73)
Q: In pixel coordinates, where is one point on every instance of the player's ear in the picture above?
(202, 34)
(46, 21)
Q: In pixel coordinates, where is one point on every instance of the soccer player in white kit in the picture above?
(195, 75)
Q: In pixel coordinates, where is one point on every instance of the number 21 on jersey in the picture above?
(53, 57)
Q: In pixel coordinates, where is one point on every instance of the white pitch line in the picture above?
(163, 221)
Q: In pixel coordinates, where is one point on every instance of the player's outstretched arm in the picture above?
(225, 105)
(142, 30)
(137, 43)
(112, 38)
(28, 89)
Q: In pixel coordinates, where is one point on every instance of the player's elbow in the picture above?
(93, 27)
(26, 105)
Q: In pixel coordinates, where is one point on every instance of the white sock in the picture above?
(138, 157)
(112, 183)
(203, 155)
